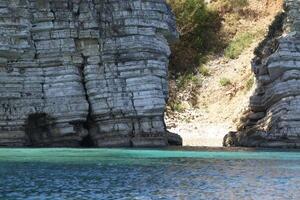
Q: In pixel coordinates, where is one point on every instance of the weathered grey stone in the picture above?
(273, 118)
(73, 70)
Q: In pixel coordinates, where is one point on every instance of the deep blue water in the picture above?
(147, 174)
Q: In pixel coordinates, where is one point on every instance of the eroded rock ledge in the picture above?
(273, 118)
(84, 72)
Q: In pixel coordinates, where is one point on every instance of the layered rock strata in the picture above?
(273, 119)
(90, 72)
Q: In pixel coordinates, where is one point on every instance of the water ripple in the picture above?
(153, 177)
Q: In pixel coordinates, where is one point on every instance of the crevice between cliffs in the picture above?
(87, 141)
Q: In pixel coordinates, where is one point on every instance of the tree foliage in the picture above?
(198, 27)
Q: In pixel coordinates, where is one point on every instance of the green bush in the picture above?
(204, 71)
(200, 32)
(177, 107)
(225, 82)
(241, 42)
(238, 45)
(198, 27)
(188, 78)
(249, 83)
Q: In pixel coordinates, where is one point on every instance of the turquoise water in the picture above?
(147, 174)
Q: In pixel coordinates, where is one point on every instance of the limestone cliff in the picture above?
(84, 72)
(273, 119)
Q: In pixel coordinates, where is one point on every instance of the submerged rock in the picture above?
(92, 72)
(273, 119)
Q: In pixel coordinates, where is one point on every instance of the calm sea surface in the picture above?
(147, 174)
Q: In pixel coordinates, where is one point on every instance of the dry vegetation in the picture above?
(210, 86)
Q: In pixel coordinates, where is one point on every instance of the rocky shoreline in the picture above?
(76, 73)
(272, 119)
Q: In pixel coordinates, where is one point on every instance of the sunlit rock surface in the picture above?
(91, 72)
(273, 119)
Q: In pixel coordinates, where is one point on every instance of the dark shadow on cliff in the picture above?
(38, 129)
(90, 126)
(87, 142)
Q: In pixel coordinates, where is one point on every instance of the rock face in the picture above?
(84, 72)
(273, 119)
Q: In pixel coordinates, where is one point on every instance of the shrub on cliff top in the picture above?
(198, 27)
(201, 33)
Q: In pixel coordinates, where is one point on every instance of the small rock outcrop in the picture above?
(273, 118)
(84, 72)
